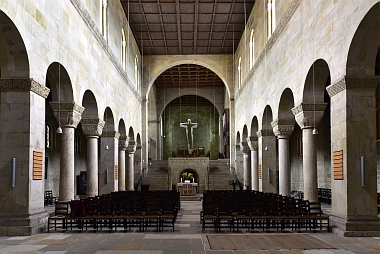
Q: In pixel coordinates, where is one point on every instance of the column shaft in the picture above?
(66, 180)
(247, 169)
(121, 170)
(92, 166)
(309, 165)
(255, 170)
(284, 166)
(129, 177)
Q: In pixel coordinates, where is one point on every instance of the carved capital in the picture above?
(110, 134)
(283, 128)
(244, 147)
(264, 132)
(351, 83)
(68, 114)
(24, 85)
(252, 143)
(131, 146)
(309, 115)
(92, 127)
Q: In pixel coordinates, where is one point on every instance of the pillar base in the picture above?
(23, 224)
(363, 226)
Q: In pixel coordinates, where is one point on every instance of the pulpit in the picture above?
(187, 189)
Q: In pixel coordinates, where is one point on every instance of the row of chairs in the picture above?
(253, 210)
(118, 210)
(324, 195)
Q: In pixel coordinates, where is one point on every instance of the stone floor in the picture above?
(187, 239)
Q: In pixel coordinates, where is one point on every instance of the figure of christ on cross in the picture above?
(189, 134)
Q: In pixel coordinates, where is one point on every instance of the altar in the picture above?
(187, 189)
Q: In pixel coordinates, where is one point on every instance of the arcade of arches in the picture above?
(290, 104)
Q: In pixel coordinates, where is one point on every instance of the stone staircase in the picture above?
(157, 177)
(220, 175)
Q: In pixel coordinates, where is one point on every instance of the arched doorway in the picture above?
(189, 175)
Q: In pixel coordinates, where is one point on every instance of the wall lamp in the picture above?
(13, 172)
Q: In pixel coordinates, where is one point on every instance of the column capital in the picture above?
(244, 147)
(264, 132)
(283, 128)
(131, 146)
(110, 134)
(92, 127)
(24, 84)
(253, 143)
(309, 115)
(123, 143)
(68, 114)
(351, 83)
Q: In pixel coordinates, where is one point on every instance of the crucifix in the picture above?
(189, 134)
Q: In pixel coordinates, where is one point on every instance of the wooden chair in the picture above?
(59, 217)
(49, 198)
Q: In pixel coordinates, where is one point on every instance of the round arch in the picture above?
(12, 50)
(157, 68)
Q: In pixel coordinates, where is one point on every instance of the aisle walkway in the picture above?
(187, 239)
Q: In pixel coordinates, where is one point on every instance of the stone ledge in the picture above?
(356, 227)
(24, 225)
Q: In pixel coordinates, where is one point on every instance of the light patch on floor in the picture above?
(371, 246)
(57, 236)
(18, 238)
(22, 248)
(55, 242)
(128, 247)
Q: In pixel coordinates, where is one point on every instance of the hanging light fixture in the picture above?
(163, 121)
(59, 129)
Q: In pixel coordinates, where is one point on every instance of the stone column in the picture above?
(123, 141)
(283, 129)
(353, 132)
(130, 174)
(246, 164)
(68, 115)
(267, 161)
(307, 117)
(253, 145)
(92, 129)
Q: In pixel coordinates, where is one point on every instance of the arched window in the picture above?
(50, 135)
(251, 50)
(299, 143)
(123, 50)
(239, 73)
(104, 17)
(271, 17)
(77, 143)
(137, 73)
